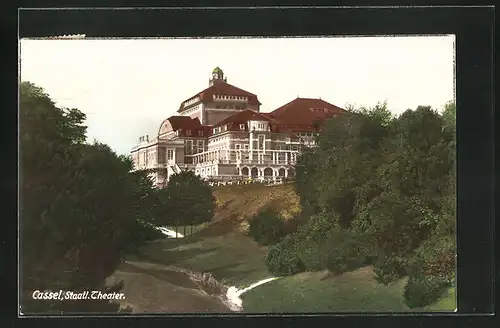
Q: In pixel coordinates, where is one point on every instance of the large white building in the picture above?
(220, 133)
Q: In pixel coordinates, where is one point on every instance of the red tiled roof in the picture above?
(242, 117)
(303, 112)
(184, 122)
(223, 88)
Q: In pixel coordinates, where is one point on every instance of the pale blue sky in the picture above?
(127, 87)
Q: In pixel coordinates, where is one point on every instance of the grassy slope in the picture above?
(233, 258)
(318, 292)
(448, 302)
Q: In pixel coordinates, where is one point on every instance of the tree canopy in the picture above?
(190, 200)
(79, 205)
(391, 180)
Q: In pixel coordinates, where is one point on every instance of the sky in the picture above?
(127, 87)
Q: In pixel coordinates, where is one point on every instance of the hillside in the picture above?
(223, 249)
(238, 203)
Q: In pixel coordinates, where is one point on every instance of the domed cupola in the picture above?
(217, 76)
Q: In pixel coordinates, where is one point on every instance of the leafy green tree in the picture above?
(190, 200)
(267, 227)
(348, 153)
(79, 205)
(389, 181)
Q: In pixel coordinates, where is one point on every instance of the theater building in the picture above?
(220, 134)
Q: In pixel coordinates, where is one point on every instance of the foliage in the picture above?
(189, 200)
(311, 238)
(423, 290)
(435, 257)
(348, 152)
(282, 260)
(79, 206)
(267, 227)
(389, 267)
(388, 183)
(349, 250)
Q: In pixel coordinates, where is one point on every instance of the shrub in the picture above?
(267, 228)
(282, 259)
(423, 290)
(348, 251)
(435, 257)
(389, 268)
(311, 238)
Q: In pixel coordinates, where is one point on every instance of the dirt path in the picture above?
(155, 288)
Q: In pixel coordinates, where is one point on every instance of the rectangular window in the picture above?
(242, 126)
(238, 146)
(261, 141)
(170, 154)
(189, 147)
(246, 147)
(188, 132)
(200, 133)
(200, 146)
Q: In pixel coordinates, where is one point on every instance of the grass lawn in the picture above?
(447, 303)
(235, 259)
(232, 258)
(317, 292)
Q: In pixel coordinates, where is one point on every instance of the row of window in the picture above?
(229, 107)
(230, 97)
(199, 133)
(220, 129)
(191, 101)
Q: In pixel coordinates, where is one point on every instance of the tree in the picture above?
(190, 200)
(390, 181)
(348, 153)
(79, 206)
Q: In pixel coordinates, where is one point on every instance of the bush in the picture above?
(389, 268)
(349, 251)
(435, 257)
(143, 233)
(312, 237)
(423, 290)
(282, 259)
(267, 228)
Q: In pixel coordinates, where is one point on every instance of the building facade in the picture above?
(220, 134)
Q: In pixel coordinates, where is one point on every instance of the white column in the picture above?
(286, 173)
(250, 147)
(286, 158)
